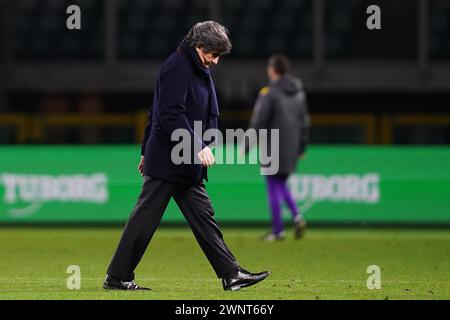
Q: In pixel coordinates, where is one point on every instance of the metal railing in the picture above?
(377, 128)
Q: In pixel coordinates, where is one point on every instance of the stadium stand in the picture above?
(41, 34)
(340, 29)
(363, 89)
(149, 29)
(440, 30)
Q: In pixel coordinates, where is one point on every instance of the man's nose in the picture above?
(216, 60)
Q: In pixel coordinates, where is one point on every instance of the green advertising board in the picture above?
(333, 184)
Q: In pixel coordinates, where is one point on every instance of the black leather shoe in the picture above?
(241, 278)
(116, 284)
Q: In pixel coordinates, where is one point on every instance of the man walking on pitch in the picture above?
(184, 93)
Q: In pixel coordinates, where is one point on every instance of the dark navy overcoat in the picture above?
(184, 93)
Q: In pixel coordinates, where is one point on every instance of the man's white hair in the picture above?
(211, 36)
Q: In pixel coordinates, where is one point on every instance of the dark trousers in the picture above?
(196, 207)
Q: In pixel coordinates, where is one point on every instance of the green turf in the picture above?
(326, 264)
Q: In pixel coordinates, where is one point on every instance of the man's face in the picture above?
(208, 58)
(271, 73)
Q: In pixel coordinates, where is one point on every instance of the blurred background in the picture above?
(368, 90)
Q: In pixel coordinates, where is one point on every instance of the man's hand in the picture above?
(141, 166)
(206, 157)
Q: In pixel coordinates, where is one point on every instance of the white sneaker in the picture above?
(273, 236)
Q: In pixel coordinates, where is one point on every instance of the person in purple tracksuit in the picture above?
(283, 106)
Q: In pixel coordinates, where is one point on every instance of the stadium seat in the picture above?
(252, 22)
(336, 45)
(245, 45)
(439, 20)
(276, 43)
(49, 23)
(85, 5)
(232, 6)
(54, 6)
(41, 30)
(301, 45)
(284, 21)
(25, 5)
(164, 22)
(440, 30)
(261, 6)
(172, 5)
(340, 22)
(142, 5)
(157, 46)
(248, 21)
(129, 45)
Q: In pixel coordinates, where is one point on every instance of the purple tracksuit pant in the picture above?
(278, 192)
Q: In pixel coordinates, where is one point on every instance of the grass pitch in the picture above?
(326, 264)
